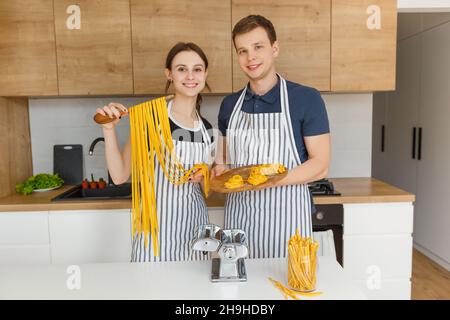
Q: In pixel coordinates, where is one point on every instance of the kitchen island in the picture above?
(377, 232)
(165, 280)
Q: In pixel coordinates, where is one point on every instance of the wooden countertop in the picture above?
(353, 190)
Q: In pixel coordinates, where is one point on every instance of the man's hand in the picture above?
(218, 170)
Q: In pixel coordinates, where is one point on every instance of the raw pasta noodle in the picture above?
(258, 175)
(302, 263)
(269, 169)
(292, 293)
(151, 138)
(256, 178)
(234, 182)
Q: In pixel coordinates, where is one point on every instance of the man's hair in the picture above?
(251, 22)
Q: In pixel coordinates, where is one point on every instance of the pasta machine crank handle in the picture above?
(101, 119)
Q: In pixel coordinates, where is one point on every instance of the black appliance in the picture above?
(331, 217)
(322, 187)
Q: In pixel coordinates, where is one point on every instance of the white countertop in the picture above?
(165, 280)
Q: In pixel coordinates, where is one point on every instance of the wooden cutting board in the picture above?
(217, 184)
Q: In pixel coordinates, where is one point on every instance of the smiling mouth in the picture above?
(253, 67)
(190, 85)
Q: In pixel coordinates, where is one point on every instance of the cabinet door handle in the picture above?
(414, 143)
(382, 138)
(419, 151)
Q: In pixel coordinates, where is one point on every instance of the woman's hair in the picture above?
(251, 22)
(186, 46)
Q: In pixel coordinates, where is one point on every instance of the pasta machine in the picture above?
(231, 248)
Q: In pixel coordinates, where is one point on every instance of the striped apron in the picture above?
(180, 209)
(269, 217)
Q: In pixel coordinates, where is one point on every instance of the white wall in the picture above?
(350, 117)
(69, 121)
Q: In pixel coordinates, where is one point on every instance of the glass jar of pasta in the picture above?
(302, 264)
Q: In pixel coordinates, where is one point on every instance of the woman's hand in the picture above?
(197, 177)
(112, 110)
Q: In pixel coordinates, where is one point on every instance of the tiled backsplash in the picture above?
(69, 121)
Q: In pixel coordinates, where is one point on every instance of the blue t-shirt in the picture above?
(306, 106)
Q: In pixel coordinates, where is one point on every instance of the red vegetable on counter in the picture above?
(101, 184)
(93, 183)
(85, 184)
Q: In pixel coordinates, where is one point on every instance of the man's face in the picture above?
(255, 53)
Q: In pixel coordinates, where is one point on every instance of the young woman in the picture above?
(181, 208)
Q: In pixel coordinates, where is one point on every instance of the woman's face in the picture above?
(188, 73)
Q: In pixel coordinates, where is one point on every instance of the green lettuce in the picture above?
(39, 181)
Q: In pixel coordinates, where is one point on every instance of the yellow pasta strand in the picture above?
(257, 178)
(151, 139)
(258, 175)
(292, 293)
(302, 256)
(269, 169)
(234, 182)
(302, 264)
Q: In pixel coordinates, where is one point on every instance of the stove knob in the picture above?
(319, 215)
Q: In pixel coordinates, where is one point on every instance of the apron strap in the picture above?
(285, 109)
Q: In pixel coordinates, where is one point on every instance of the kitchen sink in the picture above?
(122, 191)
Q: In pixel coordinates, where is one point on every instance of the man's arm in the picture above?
(316, 167)
(220, 162)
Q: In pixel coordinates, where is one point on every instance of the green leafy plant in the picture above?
(39, 181)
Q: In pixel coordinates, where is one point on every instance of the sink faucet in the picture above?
(91, 152)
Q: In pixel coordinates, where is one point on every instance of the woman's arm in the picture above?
(118, 162)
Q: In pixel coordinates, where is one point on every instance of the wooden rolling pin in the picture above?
(101, 119)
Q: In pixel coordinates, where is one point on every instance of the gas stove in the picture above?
(322, 187)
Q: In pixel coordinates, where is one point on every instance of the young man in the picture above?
(271, 121)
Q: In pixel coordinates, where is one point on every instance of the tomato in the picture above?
(93, 183)
(101, 184)
(85, 184)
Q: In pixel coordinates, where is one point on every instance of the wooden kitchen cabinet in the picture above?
(27, 55)
(93, 43)
(303, 32)
(16, 157)
(363, 45)
(158, 25)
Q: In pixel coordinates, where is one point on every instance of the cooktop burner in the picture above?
(322, 187)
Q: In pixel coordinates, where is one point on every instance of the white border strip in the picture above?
(423, 6)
